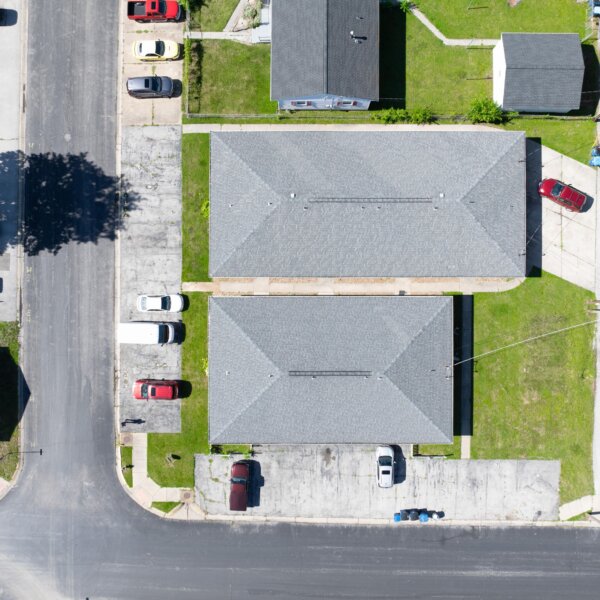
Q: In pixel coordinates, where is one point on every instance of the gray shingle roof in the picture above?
(313, 53)
(284, 369)
(544, 71)
(366, 204)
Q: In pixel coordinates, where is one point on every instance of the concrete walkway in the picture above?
(235, 15)
(243, 37)
(145, 491)
(346, 286)
(448, 41)
(576, 507)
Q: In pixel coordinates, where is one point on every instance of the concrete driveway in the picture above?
(340, 481)
(161, 111)
(568, 240)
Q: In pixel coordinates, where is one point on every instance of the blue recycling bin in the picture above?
(424, 517)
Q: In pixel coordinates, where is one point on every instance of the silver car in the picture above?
(171, 303)
(385, 466)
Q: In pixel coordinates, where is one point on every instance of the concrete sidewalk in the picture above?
(449, 41)
(346, 286)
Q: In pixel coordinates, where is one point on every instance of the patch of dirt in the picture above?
(513, 3)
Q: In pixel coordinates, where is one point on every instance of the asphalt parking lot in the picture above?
(340, 481)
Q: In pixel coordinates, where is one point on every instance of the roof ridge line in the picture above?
(273, 380)
(253, 231)
(481, 225)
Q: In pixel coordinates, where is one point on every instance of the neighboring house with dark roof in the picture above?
(367, 204)
(311, 370)
(538, 72)
(325, 54)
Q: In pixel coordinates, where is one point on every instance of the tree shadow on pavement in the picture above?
(66, 198)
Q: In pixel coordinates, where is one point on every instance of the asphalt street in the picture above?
(67, 530)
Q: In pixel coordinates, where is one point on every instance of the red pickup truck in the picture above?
(153, 11)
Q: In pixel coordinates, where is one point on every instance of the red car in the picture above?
(563, 194)
(238, 492)
(155, 389)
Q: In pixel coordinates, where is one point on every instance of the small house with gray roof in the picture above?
(316, 370)
(325, 54)
(538, 72)
(367, 204)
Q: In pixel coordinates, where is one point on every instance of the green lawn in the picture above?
(9, 399)
(536, 400)
(126, 462)
(193, 438)
(573, 138)
(195, 169)
(490, 18)
(443, 78)
(211, 15)
(165, 507)
(230, 78)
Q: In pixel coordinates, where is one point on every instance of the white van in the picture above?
(146, 332)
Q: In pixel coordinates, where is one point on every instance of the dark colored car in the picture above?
(155, 389)
(564, 195)
(238, 492)
(150, 87)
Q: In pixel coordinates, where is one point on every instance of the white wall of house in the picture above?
(499, 68)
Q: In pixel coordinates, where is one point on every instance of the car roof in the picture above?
(138, 83)
(148, 46)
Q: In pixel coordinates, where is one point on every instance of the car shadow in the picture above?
(8, 17)
(185, 389)
(177, 88)
(257, 481)
(179, 332)
(399, 465)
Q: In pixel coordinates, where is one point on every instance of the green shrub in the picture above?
(406, 5)
(485, 110)
(392, 115)
(421, 116)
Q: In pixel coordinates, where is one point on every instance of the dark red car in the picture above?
(238, 492)
(563, 194)
(155, 389)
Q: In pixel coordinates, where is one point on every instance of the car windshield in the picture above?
(238, 480)
(165, 303)
(144, 390)
(155, 84)
(160, 48)
(162, 6)
(557, 189)
(385, 461)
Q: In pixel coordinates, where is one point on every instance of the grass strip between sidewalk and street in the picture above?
(9, 399)
(165, 507)
(536, 400)
(126, 464)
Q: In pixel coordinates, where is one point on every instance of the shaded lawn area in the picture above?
(230, 78)
(490, 18)
(447, 450)
(445, 79)
(195, 173)
(573, 138)
(193, 438)
(9, 399)
(211, 15)
(536, 400)
(126, 462)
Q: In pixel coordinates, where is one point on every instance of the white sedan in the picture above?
(385, 466)
(171, 303)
